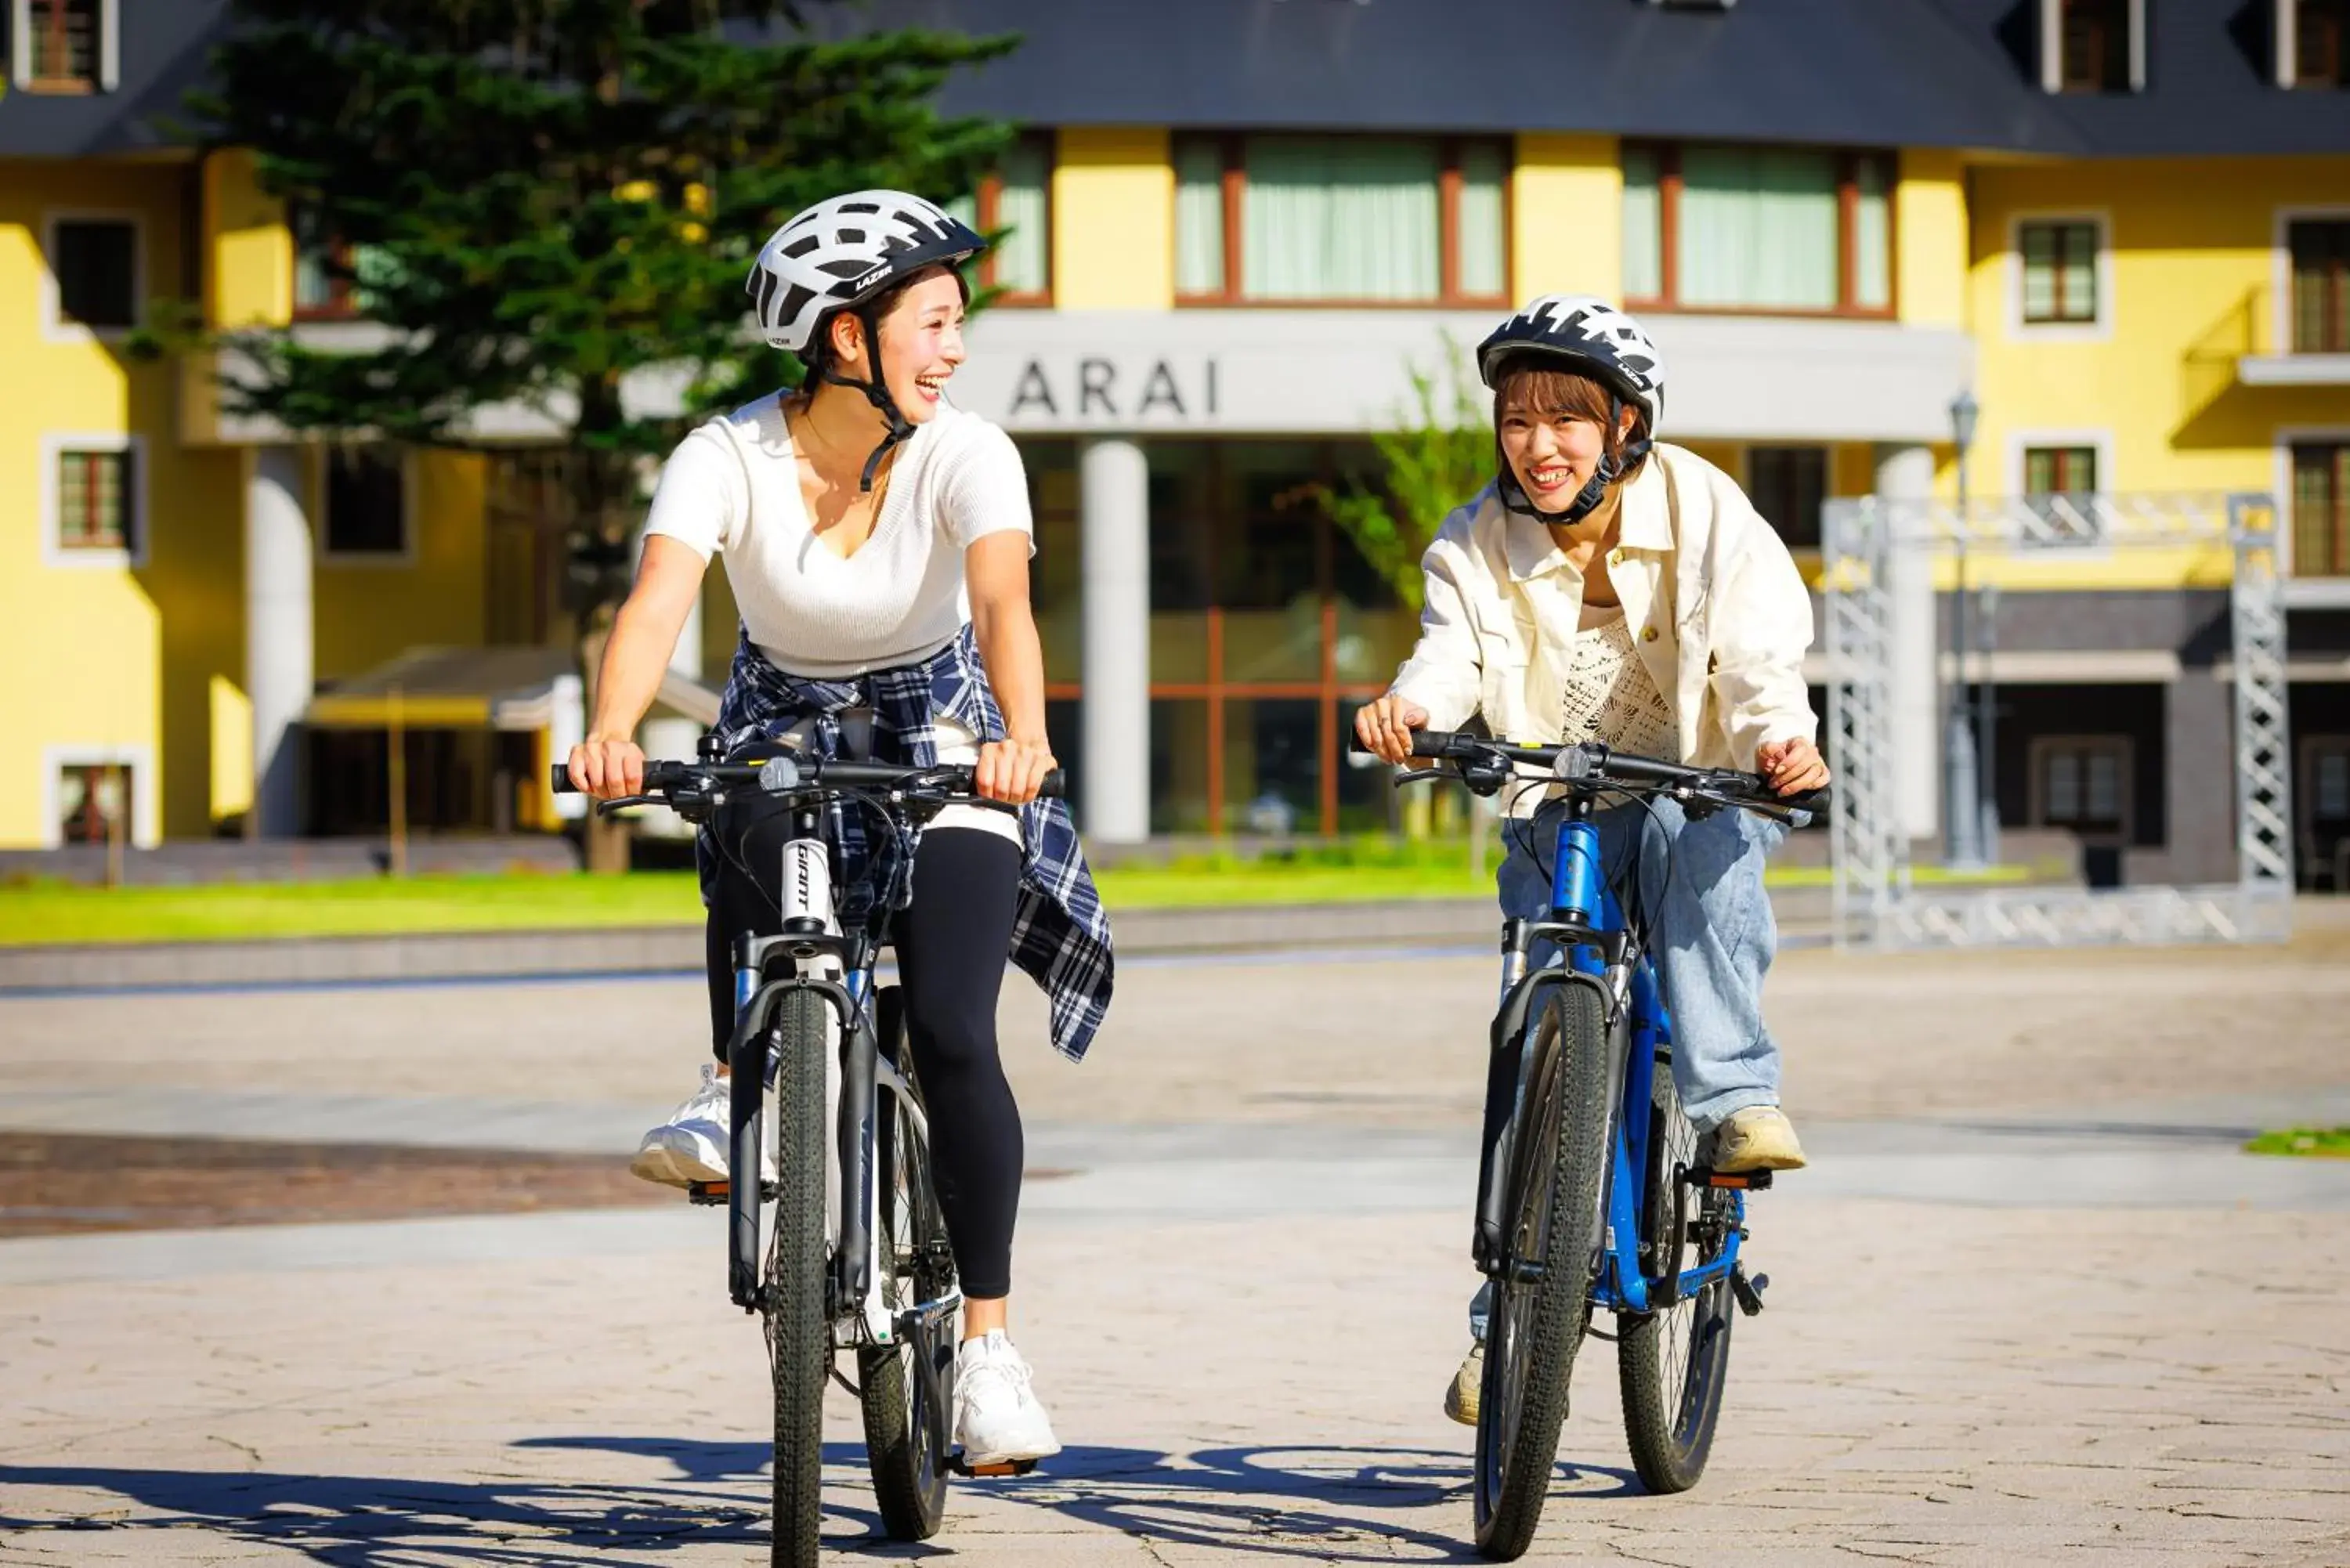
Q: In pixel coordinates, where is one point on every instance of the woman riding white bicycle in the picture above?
(877, 540)
(1608, 587)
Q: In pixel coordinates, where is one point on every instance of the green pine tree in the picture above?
(533, 199)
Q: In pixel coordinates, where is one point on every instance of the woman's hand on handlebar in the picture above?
(1012, 770)
(1792, 767)
(608, 767)
(1385, 724)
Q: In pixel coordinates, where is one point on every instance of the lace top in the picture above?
(1609, 696)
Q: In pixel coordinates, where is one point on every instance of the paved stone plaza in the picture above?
(2031, 1305)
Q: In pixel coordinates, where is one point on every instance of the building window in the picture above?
(2320, 250)
(2096, 46)
(1331, 219)
(64, 46)
(1017, 197)
(2321, 509)
(94, 802)
(96, 262)
(1757, 228)
(2321, 43)
(96, 500)
(367, 502)
(2060, 471)
(2059, 273)
(1788, 484)
(2081, 783)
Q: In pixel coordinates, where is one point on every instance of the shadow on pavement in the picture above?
(1292, 1502)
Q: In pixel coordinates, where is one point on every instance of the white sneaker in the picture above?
(691, 1145)
(998, 1418)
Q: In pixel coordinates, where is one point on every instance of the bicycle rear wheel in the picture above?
(1672, 1363)
(906, 1388)
(1556, 1183)
(799, 1337)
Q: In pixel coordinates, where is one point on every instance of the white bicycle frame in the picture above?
(808, 905)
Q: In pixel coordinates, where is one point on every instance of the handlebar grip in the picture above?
(562, 780)
(1055, 785)
(1815, 801)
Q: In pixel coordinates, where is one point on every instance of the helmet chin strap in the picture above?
(876, 392)
(1594, 490)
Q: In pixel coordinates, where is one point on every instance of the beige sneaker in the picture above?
(1461, 1399)
(1759, 1138)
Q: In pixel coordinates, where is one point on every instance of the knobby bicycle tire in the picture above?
(1672, 1365)
(799, 1337)
(1535, 1326)
(909, 1417)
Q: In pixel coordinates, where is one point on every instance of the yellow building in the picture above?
(1835, 216)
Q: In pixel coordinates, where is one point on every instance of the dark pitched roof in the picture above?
(1914, 73)
(164, 52)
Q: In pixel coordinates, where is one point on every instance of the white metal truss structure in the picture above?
(1876, 902)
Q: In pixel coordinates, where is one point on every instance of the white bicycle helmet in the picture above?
(839, 254)
(1595, 339)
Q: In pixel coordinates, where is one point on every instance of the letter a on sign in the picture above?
(1161, 390)
(1034, 391)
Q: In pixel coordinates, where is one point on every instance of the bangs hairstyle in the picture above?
(1542, 390)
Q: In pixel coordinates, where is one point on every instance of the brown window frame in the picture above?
(2329, 19)
(2334, 308)
(47, 45)
(1231, 149)
(2063, 226)
(2062, 462)
(342, 293)
(987, 204)
(2123, 828)
(72, 535)
(2112, 60)
(95, 827)
(1849, 160)
(2331, 458)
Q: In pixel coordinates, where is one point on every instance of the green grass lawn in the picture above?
(2319, 1143)
(49, 912)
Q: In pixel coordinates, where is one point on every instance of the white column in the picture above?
(1906, 472)
(1115, 484)
(278, 650)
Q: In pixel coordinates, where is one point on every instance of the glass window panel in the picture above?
(1644, 225)
(1340, 218)
(2104, 802)
(1758, 229)
(2038, 272)
(1198, 217)
(366, 501)
(96, 267)
(2333, 785)
(2078, 283)
(1483, 240)
(1272, 765)
(1055, 571)
(2063, 788)
(1872, 239)
(313, 288)
(1788, 484)
(1179, 765)
(1020, 208)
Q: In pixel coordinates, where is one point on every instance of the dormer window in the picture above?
(2313, 43)
(2093, 46)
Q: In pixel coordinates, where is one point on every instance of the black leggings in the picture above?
(953, 945)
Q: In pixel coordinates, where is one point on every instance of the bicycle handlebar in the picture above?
(786, 774)
(1594, 766)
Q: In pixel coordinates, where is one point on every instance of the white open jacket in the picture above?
(1717, 612)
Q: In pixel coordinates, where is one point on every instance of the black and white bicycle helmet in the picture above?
(1595, 339)
(840, 254)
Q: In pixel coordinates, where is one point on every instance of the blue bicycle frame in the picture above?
(1587, 924)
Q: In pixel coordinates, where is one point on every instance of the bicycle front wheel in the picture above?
(1672, 1363)
(906, 1388)
(1543, 1300)
(799, 1337)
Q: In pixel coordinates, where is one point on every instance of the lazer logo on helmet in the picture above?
(870, 278)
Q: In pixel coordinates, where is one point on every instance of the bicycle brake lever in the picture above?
(621, 803)
(1413, 776)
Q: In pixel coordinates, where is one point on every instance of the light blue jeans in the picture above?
(1697, 888)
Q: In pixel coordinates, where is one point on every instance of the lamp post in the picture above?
(1961, 786)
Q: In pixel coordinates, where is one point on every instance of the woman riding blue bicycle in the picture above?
(1609, 587)
(877, 540)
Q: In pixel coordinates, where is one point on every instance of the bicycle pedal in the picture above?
(989, 1473)
(1732, 1181)
(709, 1192)
(1748, 1292)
